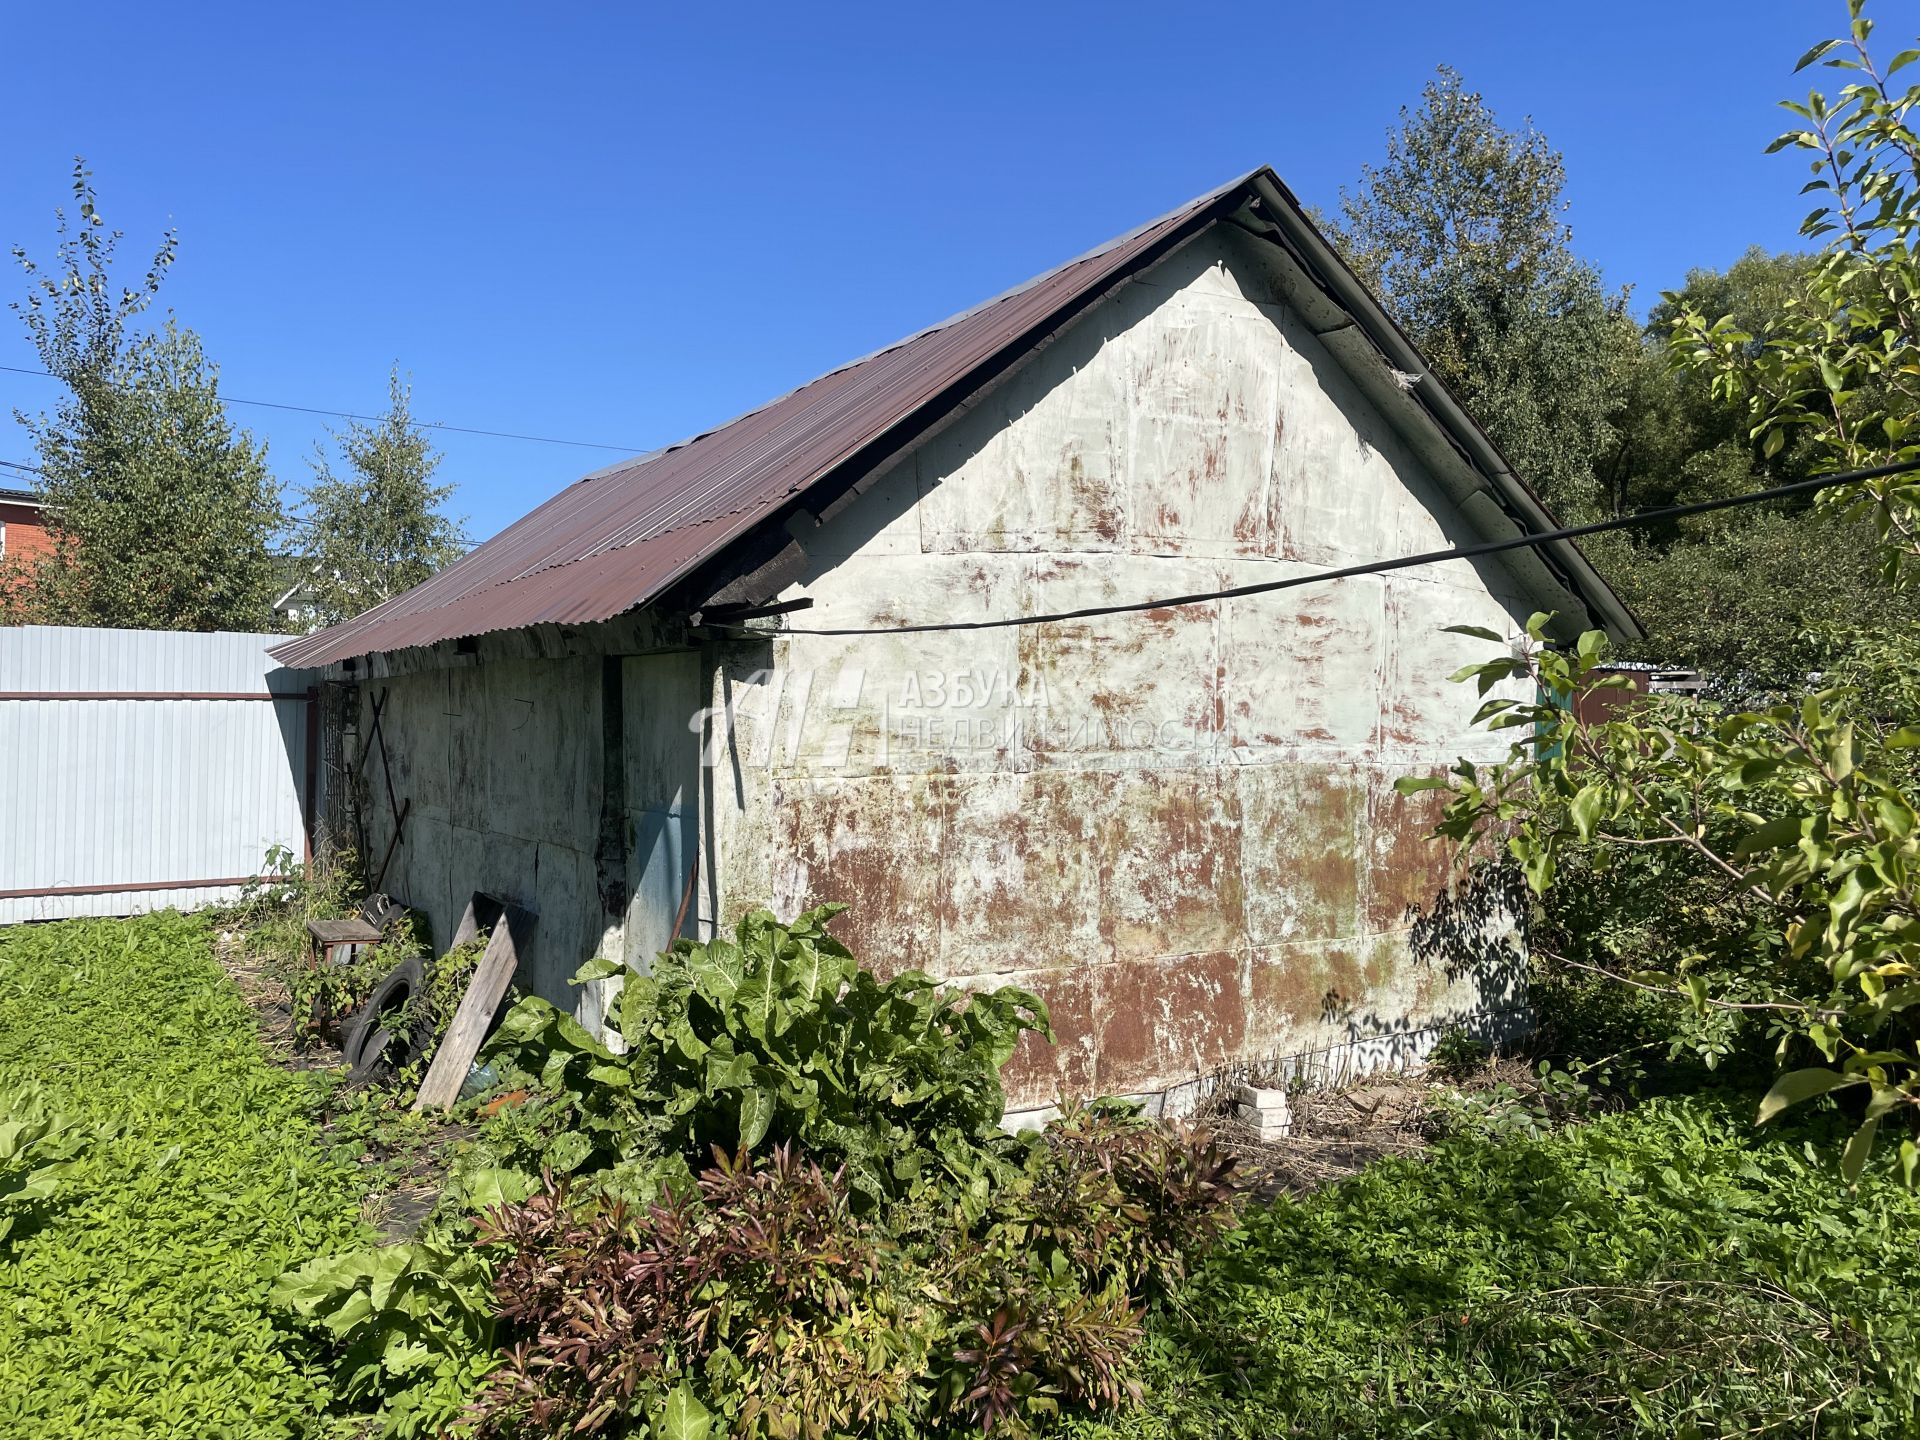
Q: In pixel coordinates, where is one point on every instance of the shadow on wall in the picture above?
(1475, 931)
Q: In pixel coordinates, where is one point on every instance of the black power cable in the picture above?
(376, 419)
(1374, 567)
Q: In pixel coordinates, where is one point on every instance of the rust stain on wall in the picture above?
(1040, 1073)
(867, 844)
(1291, 987)
(1181, 1016)
(1406, 867)
(1300, 850)
(1171, 881)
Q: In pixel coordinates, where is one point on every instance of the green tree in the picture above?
(379, 528)
(1760, 597)
(1461, 232)
(1784, 840)
(162, 516)
(1679, 440)
(1830, 366)
(1759, 602)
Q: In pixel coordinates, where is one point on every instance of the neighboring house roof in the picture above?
(620, 538)
(21, 497)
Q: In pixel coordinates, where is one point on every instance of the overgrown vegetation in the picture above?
(783, 1207)
(1665, 1272)
(769, 1301)
(775, 1200)
(133, 1297)
(776, 1036)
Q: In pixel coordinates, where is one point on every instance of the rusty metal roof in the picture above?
(618, 538)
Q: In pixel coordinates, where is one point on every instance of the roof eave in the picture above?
(1441, 404)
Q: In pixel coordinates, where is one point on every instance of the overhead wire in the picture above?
(419, 424)
(1372, 567)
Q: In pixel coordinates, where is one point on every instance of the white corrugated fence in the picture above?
(142, 769)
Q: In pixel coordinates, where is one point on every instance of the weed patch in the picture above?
(1668, 1271)
(134, 1301)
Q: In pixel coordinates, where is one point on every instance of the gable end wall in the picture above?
(1178, 826)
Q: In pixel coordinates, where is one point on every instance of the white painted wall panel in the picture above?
(142, 792)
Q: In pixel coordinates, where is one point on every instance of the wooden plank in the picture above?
(491, 977)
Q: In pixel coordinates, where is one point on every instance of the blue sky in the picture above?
(627, 223)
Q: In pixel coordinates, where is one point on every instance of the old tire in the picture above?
(377, 1041)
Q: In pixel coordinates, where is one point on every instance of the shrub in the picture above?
(867, 1252)
(777, 1036)
(409, 1327)
(770, 1300)
(1777, 850)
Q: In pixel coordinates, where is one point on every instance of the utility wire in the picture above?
(1374, 567)
(422, 424)
(23, 466)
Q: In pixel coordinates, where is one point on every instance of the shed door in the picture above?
(662, 694)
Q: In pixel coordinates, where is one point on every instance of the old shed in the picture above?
(1176, 824)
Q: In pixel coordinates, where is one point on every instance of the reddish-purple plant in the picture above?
(798, 1317)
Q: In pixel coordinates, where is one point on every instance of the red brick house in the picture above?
(23, 530)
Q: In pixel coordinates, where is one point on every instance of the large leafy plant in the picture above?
(777, 1035)
(1834, 367)
(411, 1326)
(1789, 846)
(37, 1147)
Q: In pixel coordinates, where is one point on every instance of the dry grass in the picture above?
(1339, 1130)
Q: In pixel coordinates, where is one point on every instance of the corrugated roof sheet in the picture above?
(618, 538)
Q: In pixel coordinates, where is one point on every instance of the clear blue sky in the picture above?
(626, 223)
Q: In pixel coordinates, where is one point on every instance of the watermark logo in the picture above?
(828, 721)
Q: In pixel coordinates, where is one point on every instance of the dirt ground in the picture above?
(1337, 1132)
(406, 1160)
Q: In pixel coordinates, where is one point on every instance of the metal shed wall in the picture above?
(142, 769)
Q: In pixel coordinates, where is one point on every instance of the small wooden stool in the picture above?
(332, 937)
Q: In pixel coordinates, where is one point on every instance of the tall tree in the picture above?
(380, 528)
(1759, 597)
(1830, 367)
(162, 516)
(1462, 234)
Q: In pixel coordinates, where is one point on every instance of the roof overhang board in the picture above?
(1576, 581)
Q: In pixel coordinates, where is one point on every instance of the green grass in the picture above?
(1667, 1272)
(137, 1307)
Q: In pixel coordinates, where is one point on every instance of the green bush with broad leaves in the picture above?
(37, 1148)
(776, 1035)
(133, 1303)
(410, 1327)
(1784, 840)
